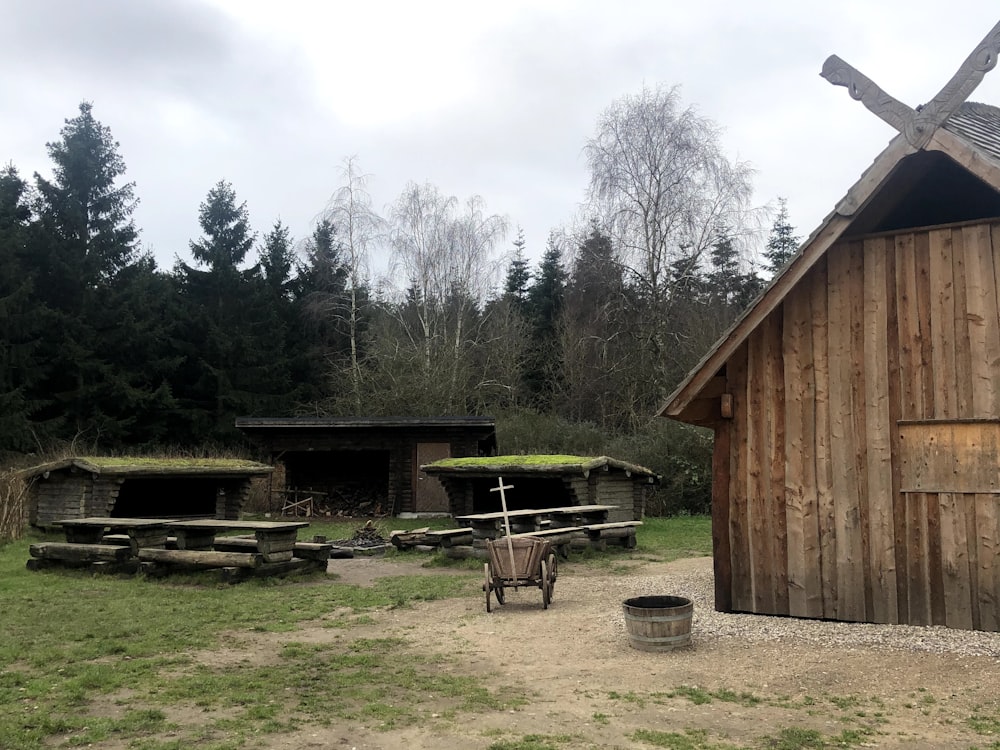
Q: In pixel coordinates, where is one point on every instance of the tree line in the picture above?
(100, 346)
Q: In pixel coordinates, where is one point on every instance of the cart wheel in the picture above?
(498, 590)
(545, 586)
(553, 574)
(487, 586)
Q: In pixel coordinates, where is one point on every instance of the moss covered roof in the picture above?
(533, 464)
(145, 465)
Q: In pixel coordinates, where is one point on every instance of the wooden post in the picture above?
(506, 523)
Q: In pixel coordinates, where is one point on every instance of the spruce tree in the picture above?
(782, 243)
(20, 318)
(545, 304)
(82, 243)
(518, 275)
(228, 366)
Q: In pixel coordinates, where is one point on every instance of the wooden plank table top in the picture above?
(567, 509)
(275, 540)
(142, 532)
(115, 523)
(219, 523)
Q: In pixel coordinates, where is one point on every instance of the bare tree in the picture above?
(359, 229)
(665, 192)
(446, 252)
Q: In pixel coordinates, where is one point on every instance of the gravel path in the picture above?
(695, 582)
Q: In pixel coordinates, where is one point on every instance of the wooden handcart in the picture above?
(527, 561)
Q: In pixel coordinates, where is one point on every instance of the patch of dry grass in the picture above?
(13, 505)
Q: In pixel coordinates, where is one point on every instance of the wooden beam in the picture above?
(982, 60)
(199, 559)
(79, 553)
(863, 89)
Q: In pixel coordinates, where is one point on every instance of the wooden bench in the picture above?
(451, 537)
(202, 559)
(302, 550)
(622, 532)
(275, 540)
(141, 532)
(560, 538)
(81, 554)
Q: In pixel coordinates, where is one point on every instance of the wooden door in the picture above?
(429, 495)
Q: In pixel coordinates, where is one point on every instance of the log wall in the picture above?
(857, 479)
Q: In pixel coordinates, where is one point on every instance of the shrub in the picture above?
(13, 505)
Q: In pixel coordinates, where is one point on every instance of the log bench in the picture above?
(301, 550)
(202, 559)
(275, 540)
(141, 532)
(560, 538)
(81, 554)
(621, 533)
(451, 537)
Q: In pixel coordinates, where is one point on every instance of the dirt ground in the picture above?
(588, 688)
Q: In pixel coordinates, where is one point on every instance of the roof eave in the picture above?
(951, 144)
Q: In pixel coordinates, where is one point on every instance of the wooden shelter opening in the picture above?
(545, 482)
(153, 497)
(349, 476)
(139, 487)
(528, 492)
(366, 464)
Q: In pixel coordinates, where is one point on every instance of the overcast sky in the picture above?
(490, 99)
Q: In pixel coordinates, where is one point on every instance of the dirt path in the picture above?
(589, 688)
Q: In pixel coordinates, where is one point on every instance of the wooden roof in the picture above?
(328, 423)
(970, 137)
(161, 467)
(534, 465)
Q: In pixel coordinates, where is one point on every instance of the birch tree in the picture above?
(664, 189)
(359, 228)
(446, 252)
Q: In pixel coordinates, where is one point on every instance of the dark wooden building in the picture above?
(545, 482)
(353, 458)
(139, 488)
(856, 405)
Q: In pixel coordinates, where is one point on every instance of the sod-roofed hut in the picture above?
(856, 404)
(125, 487)
(544, 481)
(367, 464)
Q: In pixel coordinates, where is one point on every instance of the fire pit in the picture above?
(367, 540)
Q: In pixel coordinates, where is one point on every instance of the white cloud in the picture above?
(489, 99)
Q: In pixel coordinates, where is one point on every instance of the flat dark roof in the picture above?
(353, 422)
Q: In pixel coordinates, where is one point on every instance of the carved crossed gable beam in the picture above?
(918, 125)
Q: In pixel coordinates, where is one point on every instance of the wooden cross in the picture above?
(506, 522)
(918, 125)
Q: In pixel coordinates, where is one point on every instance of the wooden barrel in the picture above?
(658, 623)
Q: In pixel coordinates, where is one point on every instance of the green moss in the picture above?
(492, 462)
(145, 462)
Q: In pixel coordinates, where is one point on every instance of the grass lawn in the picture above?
(86, 660)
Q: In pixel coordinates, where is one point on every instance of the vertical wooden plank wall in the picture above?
(815, 522)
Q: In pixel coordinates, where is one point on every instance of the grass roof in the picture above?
(152, 465)
(539, 463)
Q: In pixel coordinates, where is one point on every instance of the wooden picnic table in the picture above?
(490, 525)
(102, 541)
(275, 539)
(142, 532)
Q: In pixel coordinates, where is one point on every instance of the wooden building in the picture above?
(131, 487)
(354, 458)
(544, 482)
(856, 404)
